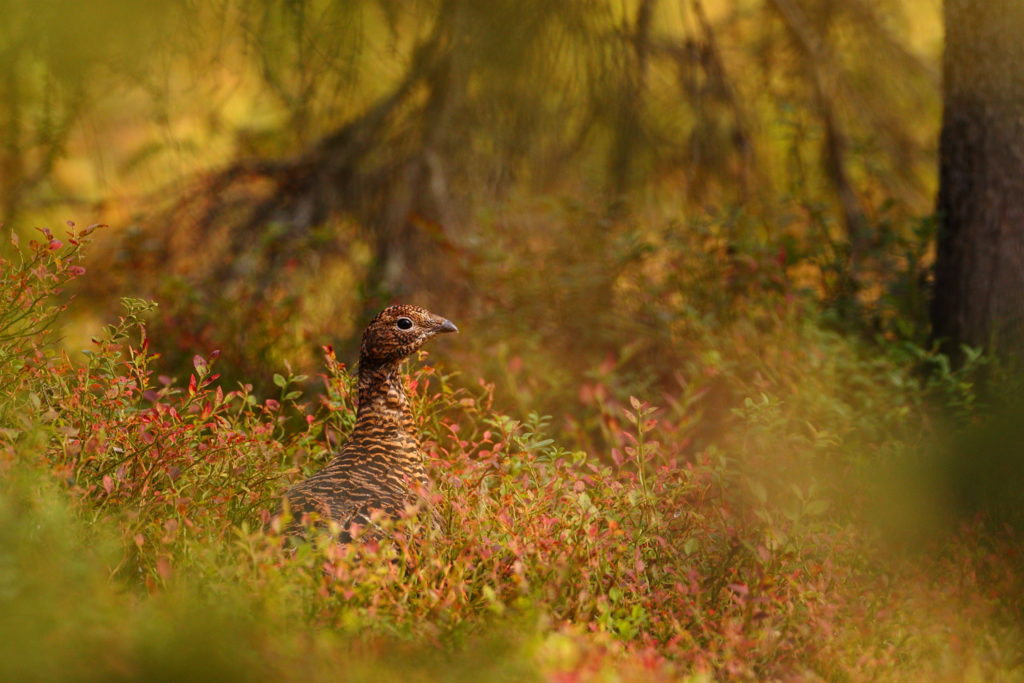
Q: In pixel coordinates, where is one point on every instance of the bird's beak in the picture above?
(447, 326)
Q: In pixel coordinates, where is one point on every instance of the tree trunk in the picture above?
(979, 271)
(12, 159)
(416, 221)
(629, 127)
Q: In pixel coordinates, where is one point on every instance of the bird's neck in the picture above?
(382, 399)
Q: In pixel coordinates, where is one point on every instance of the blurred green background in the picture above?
(274, 171)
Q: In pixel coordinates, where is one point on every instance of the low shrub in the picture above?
(135, 513)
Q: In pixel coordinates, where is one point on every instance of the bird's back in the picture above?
(378, 469)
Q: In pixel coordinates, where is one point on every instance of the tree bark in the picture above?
(12, 160)
(629, 127)
(979, 272)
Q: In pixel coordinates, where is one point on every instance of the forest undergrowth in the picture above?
(768, 509)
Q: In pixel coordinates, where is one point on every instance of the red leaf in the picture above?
(163, 568)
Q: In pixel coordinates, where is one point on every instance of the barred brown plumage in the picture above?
(382, 460)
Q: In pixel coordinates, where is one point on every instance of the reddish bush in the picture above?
(652, 558)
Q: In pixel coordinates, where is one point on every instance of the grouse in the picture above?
(382, 460)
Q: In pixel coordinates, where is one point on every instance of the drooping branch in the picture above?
(353, 170)
(629, 128)
(823, 71)
(716, 69)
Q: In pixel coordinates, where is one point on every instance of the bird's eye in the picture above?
(404, 323)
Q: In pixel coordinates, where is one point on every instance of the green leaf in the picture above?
(759, 491)
(817, 507)
(280, 381)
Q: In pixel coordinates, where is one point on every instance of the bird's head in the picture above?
(398, 331)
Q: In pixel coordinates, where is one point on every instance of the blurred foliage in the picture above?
(138, 542)
(280, 169)
(696, 424)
